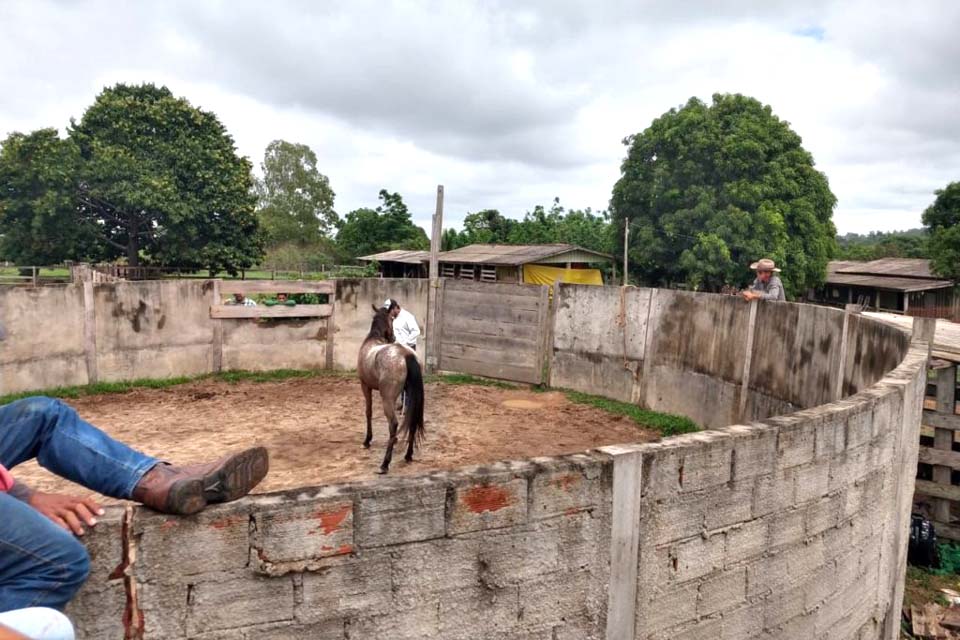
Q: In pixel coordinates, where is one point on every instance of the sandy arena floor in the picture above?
(314, 428)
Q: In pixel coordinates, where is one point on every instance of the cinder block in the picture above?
(729, 504)
(565, 491)
(723, 592)
(804, 559)
(852, 501)
(173, 548)
(783, 605)
(584, 539)
(859, 429)
(435, 566)
(673, 606)
(699, 556)
(289, 536)
(398, 514)
(164, 609)
(786, 528)
(348, 586)
(476, 612)
(823, 514)
(97, 609)
(688, 463)
(754, 450)
(848, 468)
(774, 493)
(551, 601)
(510, 558)
(745, 622)
(655, 567)
(674, 518)
(329, 630)
(413, 623)
(766, 575)
(704, 629)
(746, 541)
(820, 586)
(238, 602)
(831, 436)
(795, 445)
(813, 481)
(487, 504)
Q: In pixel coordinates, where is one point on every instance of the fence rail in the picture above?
(937, 493)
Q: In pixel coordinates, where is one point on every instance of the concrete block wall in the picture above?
(513, 550)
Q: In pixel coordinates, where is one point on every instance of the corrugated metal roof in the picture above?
(399, 255)
(902, 267)
(514, 255)
(886, 282)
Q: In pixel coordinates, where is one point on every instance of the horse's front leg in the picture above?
(368, 398)
(391, 414)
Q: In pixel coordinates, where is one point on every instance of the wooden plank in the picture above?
(934, 490)
(941, 420)
(488, 369)
(279, 311)
(491, 313)
(90, 333)
(468, 298)
(511, 357)
(931, 455)
(454, 324)
(491, 342)
(946, 381)
(230, 287)
(942, 441)
(946, 531)
(217, 332)
(497, 289)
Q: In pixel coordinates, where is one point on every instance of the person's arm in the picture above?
(773, 293)
(414, 329)
(69, 512)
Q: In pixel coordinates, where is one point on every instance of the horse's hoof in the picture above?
(408, 458)
(366, 445)
(382, 471)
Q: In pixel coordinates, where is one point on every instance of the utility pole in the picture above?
(433, 331)
(626, 240)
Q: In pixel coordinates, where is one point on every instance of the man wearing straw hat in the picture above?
(767, 285)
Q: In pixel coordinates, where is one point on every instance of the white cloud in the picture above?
(509, 104)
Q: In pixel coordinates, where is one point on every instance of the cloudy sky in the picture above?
(511, 103)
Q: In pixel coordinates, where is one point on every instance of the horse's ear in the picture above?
(374, 307)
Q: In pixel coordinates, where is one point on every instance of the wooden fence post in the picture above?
(432, 358)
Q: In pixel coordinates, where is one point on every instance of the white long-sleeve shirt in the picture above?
(405, 329)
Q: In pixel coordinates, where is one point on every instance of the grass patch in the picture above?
(465, 379)
(665, 423)
(277, 375)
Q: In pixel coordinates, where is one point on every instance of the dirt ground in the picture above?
(314, 428)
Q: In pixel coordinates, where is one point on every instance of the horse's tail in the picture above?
(413, 411)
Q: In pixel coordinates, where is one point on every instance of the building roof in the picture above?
(892, 274)
(399, 255)
(901, 267)
(887, 282)
(519, 254)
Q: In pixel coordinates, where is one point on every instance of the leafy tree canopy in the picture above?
(879, 244)
(295, 199)
(942, 220)
(708, 189)
(389, 226)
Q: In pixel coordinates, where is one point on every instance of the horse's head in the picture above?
(382, 325)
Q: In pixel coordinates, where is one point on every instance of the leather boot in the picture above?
(189, 489)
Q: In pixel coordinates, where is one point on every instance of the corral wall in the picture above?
(76, 334)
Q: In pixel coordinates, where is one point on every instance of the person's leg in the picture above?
(41, 565)
(39, 623)
(53, 433)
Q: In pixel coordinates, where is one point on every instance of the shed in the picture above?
(400, 263)
(515, 263)
(897, 285)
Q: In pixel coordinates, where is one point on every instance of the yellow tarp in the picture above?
(539, 274)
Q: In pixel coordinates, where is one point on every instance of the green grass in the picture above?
(665, 423)
(465, 379)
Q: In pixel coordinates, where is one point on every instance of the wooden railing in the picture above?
(935, 489)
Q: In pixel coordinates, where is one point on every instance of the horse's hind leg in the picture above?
(391, 414)
(368, 398)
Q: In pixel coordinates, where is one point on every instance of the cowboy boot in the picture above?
(189, 489)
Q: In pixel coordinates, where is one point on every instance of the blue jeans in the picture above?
(41, 565)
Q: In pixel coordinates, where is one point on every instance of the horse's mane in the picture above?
(381, 328)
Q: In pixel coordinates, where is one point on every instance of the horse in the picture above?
(391, 368)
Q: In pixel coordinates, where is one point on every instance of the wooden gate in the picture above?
(493, 330)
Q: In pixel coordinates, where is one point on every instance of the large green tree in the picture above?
(708, 189)
(389, 226)
(295, 199)
(581, 227)
(39, 221)
(161, 178)
(942, 220)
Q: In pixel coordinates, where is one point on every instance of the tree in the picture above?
(942, 220)
(389, 226)
(295, 199)
(161, 178)
(556, 225)
(726, 183)
(39, 223)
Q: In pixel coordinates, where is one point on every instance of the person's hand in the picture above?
(70, 512)
(747, 295)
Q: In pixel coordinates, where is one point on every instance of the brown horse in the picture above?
(391, 368)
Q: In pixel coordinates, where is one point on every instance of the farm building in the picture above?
(400, 263)
(896, 285)
(527, 263)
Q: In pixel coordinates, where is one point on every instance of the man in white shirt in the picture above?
(405, 327)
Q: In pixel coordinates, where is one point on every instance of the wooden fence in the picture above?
(493, 330)
(938, 476)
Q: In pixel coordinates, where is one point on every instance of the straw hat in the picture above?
(766, 264)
